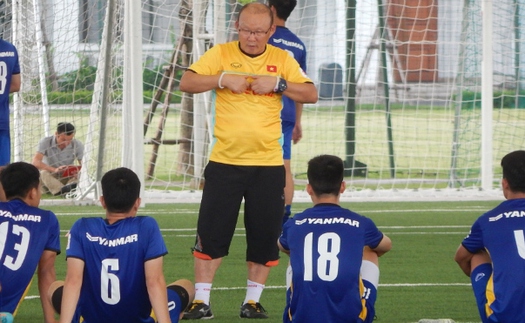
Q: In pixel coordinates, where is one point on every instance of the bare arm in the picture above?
(301, 92)
(15, 83)
(282, 248)
(297, 133)
(192, 82)
(38, 162)
(157, 291)
(46, 276)
(384, 246)
(72, 285)
(464, 257)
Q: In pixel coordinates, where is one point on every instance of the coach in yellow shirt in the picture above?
(247, 79)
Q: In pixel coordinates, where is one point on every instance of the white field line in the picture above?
(284, 287)
(389, 229)
(178, 210)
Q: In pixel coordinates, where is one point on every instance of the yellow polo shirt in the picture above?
(246, 127)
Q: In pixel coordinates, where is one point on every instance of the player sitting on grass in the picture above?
(29, 240)
(333, 252)
(115, 265)
(493, 253)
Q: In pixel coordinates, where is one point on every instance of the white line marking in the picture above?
(284, 287)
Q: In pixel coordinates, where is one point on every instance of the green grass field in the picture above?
(419, 278)
(423, 137)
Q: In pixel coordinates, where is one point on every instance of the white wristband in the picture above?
(220, 79)
(275, 88)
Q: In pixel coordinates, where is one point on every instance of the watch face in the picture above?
(282, 85)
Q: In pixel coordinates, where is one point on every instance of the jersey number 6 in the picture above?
(109, 282)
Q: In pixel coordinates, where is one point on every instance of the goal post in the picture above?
(410, 97)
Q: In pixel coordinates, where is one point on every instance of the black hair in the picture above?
(65, 127)
(325, 174)
(257, 8)
(120, 188)
(18, 179)
(513, 165)
(283, 8)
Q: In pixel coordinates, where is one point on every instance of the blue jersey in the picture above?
(9, 65)
(326, 249)
(114, 282)
(285, 39)
(501, 232)
(25, 232)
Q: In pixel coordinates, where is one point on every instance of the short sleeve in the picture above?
(53, 242)
(42, 146)
(283, 239)
(473, 242)
(372, 234)
(16, 67)
(74, 241)
(293, 72)
(156, 246)
(209, 63)
(79, 153)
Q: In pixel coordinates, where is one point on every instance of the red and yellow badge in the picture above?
(271, 68)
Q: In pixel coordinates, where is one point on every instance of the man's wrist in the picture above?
(280, 86)
(276, 87)
(219, 83)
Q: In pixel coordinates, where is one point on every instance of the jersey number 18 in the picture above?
(328, 247)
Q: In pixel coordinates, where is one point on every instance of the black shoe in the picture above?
(198, 311)
(252, 310)
(66, 189)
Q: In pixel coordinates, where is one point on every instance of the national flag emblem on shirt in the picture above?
(271, 68)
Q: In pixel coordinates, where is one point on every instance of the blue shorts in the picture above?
(287, 129)
(5, 147)
(178, 299)
(479, 278)
(369, 296)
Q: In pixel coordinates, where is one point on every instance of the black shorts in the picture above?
(262, 188)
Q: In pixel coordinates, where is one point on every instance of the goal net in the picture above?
(400, 90)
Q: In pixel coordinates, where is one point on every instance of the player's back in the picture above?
(25, 232)
(114, 284)
(326, 249)
(9, 59)
(288, 41)
(502, 232)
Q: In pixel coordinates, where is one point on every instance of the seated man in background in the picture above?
(55, 159)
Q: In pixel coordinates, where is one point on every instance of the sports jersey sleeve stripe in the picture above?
(55, 250)
(76, 257)
(155, 257)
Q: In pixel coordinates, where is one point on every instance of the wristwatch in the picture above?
(281, 86)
